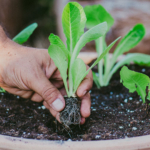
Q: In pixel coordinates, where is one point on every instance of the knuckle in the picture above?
(49, 93)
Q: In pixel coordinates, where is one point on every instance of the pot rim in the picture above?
(14, 143)
(87, 57)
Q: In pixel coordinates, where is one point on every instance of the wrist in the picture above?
(3, 38)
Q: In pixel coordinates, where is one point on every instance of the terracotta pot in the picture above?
(135, 143)
(87, 57)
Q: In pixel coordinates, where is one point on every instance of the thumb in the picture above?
(48, 91)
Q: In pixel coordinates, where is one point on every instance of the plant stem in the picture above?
(106, 64)
(113, 61)
(96, 80)
(99, 48)
(109, 74)
(106, 69)
(67, 88)
(70, 81)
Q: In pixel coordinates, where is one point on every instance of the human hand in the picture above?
(31, 73)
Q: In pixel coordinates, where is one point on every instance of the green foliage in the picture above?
(60, 60)
(105, 52)
(136, 58)
(71, 67)
(96, 62)
(24, 35)
(131, 39)
(2, 90)
(96, 79)
(135, 81)
(78, 69)
(55, 40)
(92, 34)
(73, 20)
(97, 14)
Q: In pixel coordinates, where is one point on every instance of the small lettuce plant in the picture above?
(97, 14)
(22, 37)
(135, 81)
(65, 58)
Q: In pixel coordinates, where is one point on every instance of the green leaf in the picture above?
(96, 79)
(98, 59)
(92, 34)
(78, 69)
(140, 59)
(73, 20)
(100, 45)
(2, 90)
(24, 35)
(104, 53)
(60, 61)
(132, 38)
(135, 81)
(97, 14)
(55, 40)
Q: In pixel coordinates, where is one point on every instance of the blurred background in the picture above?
(17, 14)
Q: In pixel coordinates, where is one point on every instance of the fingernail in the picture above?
(57, 105)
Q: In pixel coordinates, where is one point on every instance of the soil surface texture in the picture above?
(115, 114)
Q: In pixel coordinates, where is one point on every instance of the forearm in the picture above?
(6, 44)
(3, 36)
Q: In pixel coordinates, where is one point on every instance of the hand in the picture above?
(31, 73)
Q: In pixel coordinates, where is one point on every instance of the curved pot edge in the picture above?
(13, 143)
(87, 57)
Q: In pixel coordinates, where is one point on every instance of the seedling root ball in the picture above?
(71, 114)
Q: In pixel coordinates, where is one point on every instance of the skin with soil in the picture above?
(115, 114)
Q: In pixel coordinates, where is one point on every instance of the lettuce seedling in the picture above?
(65, 58)
(97, 14)
(22, 37)
(136, 81)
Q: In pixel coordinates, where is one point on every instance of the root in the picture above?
(71, 114)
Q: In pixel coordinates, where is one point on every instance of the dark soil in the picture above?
(115, 113)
